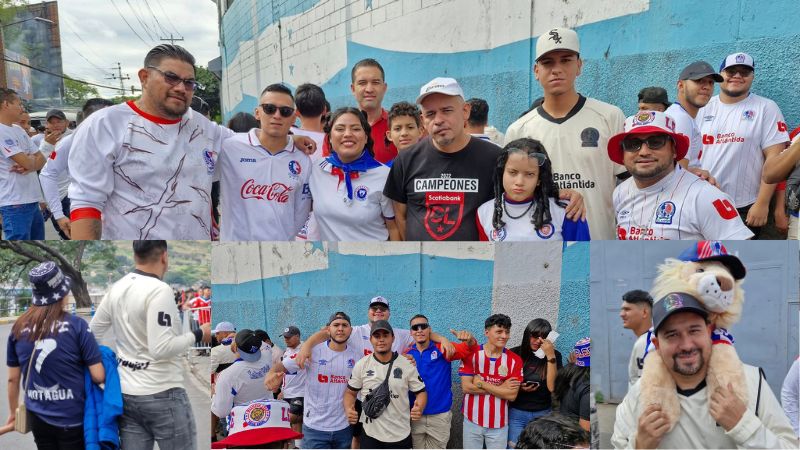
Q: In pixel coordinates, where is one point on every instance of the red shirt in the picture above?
(202, 316)
(486, 410)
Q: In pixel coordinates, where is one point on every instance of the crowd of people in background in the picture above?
(378, 386)
(572, 167)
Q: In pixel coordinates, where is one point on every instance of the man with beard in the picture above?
(327, 372)
(716, 419)
(660, 200)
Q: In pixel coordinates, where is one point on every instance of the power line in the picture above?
(163, 30)
(62, 76)
(166, 16)
(77, 35)
(105, 72)
(147, 29)
(129, 25)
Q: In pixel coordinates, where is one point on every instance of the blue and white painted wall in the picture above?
(769, 319)
(488, 45)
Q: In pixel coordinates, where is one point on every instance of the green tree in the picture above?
(76, 93)
(210, 91)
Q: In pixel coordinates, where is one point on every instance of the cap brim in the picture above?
(250, 357)
(733, 264)
(615, 151)
(700, 311)
(556, 50)
(450, 94)
(381, 328)
(258, 436)
(717, 77)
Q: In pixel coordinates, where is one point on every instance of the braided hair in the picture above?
(545, 188)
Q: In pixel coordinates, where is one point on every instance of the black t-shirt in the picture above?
(442, 191)
(576, 400)
(531, 371)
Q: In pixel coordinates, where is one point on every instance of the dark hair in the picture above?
(501, 320)
(40, 320)
(243, 122)
(7, 95)
(638, 296)
(361, 117)
(401, 109)
(170, 51)
(277, 87)
(540, 327)
(310, 100)
(200, 105)
(148, 251)
(479, 112)
(567, 377)
(262, 335)
(93, 105)
(367, 62)
(418, 316)
(554, 430)
(545, 189)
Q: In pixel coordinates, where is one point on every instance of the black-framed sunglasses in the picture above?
(269, 109)
(173, 80)
(631, 144)
(539, 157)
(744, 71)
(419, 326)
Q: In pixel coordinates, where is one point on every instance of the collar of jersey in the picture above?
(514, 202)
(490, 358)
(146, 274)
(150, 117)
(253, 139)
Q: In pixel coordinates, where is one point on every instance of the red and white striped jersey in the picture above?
(486, 410)
(201, 315)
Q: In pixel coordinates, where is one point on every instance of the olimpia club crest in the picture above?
(256, 415)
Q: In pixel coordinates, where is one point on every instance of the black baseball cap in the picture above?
(55, 113)
(249, 345)
(381, 325)
(654, 94)
(698, 70)
(339, 315)
(672, 303)
(291, 330)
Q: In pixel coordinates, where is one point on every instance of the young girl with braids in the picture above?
(526, 202)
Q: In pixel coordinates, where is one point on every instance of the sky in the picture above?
(94, 35)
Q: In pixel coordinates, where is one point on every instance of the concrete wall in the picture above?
(272, 285)
(488, 46)
(769, 320)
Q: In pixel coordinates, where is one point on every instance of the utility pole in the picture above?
(119, 77)
(171, 39)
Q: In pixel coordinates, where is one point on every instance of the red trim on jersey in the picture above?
(150, 117)
(53, 154)
(85, 213)
(481, 234)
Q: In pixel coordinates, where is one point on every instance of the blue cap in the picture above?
(583, 352)
(714, 251)
(49, 284)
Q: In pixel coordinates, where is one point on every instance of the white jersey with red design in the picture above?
(679, 206)
(518, 227)
(263, 197)
(149, 177)
(15, 188)
(55, 174)
(486, 410)
(686, 125)
(201, 315)
(327, 373)
(310, 231)
(734, 137)
(294, 383)
(360, 219)
(360, 338)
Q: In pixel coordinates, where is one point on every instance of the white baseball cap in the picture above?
(557, 39)
(440, 85)
(737, 59)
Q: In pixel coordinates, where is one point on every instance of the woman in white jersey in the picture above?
(525, 205)
(347, 186)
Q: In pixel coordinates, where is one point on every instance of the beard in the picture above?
(343, 341)
(691, 369)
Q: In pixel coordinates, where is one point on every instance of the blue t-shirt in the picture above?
(56, 389)
(434, 369)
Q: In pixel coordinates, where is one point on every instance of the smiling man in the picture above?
(368, 85)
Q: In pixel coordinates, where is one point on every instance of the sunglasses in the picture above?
(741, 70)
(540, 157)
(269, 109)
(173, 80)
(653, 143)
(419, 327)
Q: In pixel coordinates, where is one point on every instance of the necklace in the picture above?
(505, 209)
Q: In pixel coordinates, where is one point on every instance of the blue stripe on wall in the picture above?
(573, 312)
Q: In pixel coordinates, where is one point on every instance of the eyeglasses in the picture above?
(653, 143)
(540, 157)
(269, 109)
(376, 307)
(173, 80)
(741, 70)
(419, 327)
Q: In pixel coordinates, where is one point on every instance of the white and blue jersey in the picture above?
(520, 228)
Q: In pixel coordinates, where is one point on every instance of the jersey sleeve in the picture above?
(387, 208)
(356, 381)
(395, 182)
(290, 363)
(54, 168)
(92, 158)
(222, 402)
(403, 336)
(303, 198)
(616, 125)
(101, 321)
(583, 402)
(415, 383)
(717, 217)
(774, 129)
(481, 218)
(12, 360)
(11, 148)
(516, 371)
(163, 340)
(463, 350)
(466, 369)
(90, 351)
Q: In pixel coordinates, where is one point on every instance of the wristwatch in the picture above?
(552, 360)
(479, 384)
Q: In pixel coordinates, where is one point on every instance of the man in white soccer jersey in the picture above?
(327, 372)
(391, 428)
(635, 312)
(717, 419)
(490, 379)
(294, 384)
(19, 185)
(140, 309)
(574, 129)
(740, 130)
(264, 179)
(661, 200)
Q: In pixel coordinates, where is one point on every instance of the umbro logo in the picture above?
(247, 160)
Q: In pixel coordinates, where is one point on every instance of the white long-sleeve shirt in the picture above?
(54, 176)
(790, 396)
(697, 429)
(141, 311)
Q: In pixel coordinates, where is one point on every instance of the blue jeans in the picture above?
(165, 417)
(23, 222)
(475, 436)
(518, 419)
(327, 439)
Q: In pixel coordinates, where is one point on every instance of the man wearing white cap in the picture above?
(438, 184)
(740, 130)
(574, 129)
(661, 201)
(221, 355)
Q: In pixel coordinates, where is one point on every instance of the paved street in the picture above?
(198, 396)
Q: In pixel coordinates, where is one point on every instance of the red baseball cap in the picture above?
(258, 423)
(645, 122)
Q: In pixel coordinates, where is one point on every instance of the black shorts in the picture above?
(358, 428)
(295, 405)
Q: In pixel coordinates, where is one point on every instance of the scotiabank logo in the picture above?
(708, 139)
(331, 378)
(277, 192)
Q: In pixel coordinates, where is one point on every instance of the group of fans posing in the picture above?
(376, 386)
